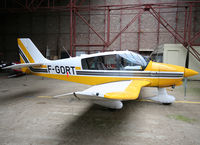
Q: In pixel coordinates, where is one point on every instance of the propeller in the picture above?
(186, 66)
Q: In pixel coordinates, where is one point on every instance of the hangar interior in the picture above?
(59, 28)
(88, 26)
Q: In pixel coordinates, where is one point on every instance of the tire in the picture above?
(166, 103)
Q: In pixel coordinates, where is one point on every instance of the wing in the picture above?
(17, 66)
(122, 90)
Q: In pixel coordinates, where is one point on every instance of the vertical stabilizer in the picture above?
(28, 52)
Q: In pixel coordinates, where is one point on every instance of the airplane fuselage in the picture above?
(71, 69)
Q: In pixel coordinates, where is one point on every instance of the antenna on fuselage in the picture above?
(66, 51)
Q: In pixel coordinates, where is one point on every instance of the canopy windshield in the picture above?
(122, 61)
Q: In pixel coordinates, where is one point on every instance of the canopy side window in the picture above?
(91, 63)
(125, 61)
(132, 62)
(108, 62)
(100, 65)
(84, 64)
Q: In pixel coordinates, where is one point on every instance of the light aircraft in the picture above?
(116, 75)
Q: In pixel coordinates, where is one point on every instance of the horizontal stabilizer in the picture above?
(22, 65)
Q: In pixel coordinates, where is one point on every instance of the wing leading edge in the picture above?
(122, 90)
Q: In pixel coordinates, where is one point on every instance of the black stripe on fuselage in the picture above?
(31, 68)
(130, 74)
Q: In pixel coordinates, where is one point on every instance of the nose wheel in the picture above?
(163, 97)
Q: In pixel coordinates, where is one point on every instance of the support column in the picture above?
(108, 26)
(71, 29)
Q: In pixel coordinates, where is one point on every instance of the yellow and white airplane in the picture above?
(116, 75)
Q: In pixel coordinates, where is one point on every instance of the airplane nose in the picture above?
(189, 72)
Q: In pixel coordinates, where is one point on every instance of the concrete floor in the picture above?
(29, 116)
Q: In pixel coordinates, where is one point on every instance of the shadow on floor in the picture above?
(23, 94)
(99, 125)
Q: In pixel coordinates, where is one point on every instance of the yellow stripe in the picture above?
(24, 69)
(93, 80)
(88, 80)
(41, 66)
(145, 100)
(21, 59)
(78, 68)
(185, 102)
(45, 97)
(21, 45)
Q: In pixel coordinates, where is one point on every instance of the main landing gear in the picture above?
(163, 97)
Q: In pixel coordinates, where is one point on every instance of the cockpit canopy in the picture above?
(123, 60)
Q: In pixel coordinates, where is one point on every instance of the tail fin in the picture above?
(29, 52)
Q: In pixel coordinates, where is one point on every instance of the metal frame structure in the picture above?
(75, 7)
